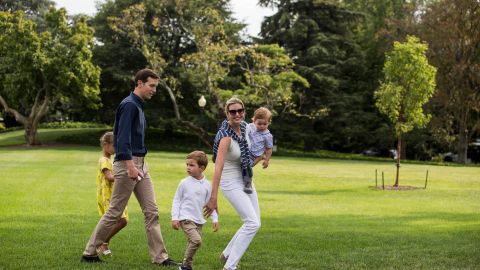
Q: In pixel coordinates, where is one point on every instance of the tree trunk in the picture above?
(31, 133)
(462, 145)
(201, 133)
(399, 155)
(30, 123)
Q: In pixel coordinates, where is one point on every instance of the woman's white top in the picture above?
(232, 170)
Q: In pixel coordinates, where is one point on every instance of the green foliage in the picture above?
(41, 67)
(409, 84)
(212, 54)
(163, 29)
(28, 6)
(211, 61)
(269, 77)
(334, 112)
(34, 10)
(451, 29)
(155, 139)
(62, 125)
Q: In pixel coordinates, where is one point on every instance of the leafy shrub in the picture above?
(156, 139)
(85, 137)
(176, 140)
(51, 125)
(4, 130)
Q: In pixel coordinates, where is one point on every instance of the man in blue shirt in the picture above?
(131, 173)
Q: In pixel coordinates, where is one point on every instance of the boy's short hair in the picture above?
(106, 138)
(144, 74)
(200, 157)
(262, 113)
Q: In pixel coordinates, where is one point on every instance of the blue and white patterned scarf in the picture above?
(226, 131)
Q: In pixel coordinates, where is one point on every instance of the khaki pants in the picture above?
(122, 189)
(194, 236)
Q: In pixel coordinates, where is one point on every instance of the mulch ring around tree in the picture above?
(399, 188)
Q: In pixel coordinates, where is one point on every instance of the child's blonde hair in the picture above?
(262, 113)
(200, 157)
(106, 138)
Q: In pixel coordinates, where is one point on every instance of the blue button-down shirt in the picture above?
(129, 129)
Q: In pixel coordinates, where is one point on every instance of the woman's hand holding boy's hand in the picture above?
(175, 224)
(210, 206)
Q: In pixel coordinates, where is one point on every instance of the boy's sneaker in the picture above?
(185, 267)
(168, 262)
(90, 259)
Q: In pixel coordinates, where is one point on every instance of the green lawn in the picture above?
(316, 214)
(46, 136)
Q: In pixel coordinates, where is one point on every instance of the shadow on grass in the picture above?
(306, 192)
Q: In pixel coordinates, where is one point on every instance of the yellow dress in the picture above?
(105, 187)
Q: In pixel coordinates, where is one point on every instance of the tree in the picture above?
(34, 10)
(39, 69)
(169, 25)
(318, 35)
(382, 23)
(452, 29)
(209, 54)
(409, 84)
(133, 24)
(266, 71)
(269, 77)
(29, 7)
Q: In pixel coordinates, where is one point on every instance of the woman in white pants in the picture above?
(233, 162)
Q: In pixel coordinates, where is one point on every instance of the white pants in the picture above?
(247, 207)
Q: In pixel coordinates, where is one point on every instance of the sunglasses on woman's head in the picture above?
(234, 112)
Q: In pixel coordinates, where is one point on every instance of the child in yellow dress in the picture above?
(105, 182)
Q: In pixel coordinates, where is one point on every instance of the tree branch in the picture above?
(41, 112)
(202, 134)
(35, 104)
(19, 117)
(200, 131)
(173, 99)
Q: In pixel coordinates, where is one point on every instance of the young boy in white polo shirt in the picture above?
(192, 194)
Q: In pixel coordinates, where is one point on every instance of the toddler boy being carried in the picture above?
(261, 140)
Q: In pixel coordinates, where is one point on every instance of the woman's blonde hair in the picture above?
(233, 100)
(106, 138)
